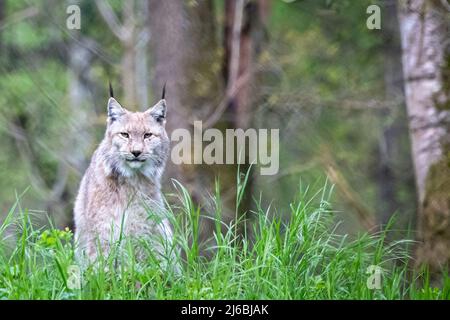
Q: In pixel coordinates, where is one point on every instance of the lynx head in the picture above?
(137, 141)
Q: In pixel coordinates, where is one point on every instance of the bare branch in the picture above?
(27, 156)
(230, 92)
(445, 4)
(111, 20)
(364, 215)
(60, 183)
(234, 82)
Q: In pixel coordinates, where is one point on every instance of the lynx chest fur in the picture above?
(120, 193)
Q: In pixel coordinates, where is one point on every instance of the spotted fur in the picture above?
(122, 184)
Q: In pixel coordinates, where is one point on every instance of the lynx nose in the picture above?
(136, 153)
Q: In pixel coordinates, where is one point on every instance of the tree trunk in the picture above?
(128, 63)
(243, 36)
(424, 33)
(141, 60)
(394, 130)
(248, 42)
(80, 137)
(184, 50)
(80, 103)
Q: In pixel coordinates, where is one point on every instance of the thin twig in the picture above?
(111, 19)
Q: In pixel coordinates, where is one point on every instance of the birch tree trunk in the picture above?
(425, 39)
(80, 98)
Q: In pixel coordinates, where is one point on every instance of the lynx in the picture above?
(122, 184)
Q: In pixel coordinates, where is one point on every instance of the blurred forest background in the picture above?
(367, 110)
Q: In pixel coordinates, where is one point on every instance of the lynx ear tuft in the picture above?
(158, 111)
(111, 93)
(115, 110)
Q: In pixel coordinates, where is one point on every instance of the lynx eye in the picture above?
(125, 135)
(147, 135)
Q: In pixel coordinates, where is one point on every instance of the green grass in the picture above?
(299, 257)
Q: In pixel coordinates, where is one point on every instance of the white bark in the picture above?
(425, 42)
(80, 109)
(424, 37)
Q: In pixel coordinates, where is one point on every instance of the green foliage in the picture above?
(326, 68)
(320, 60)
(301, 258)
(49, 238)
